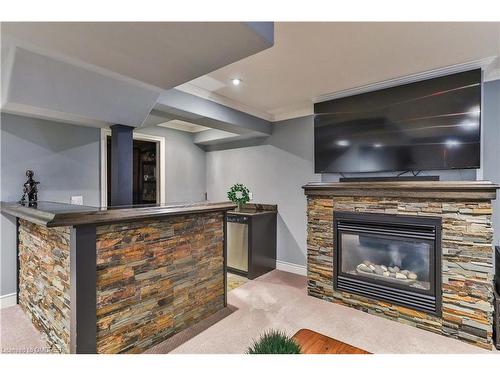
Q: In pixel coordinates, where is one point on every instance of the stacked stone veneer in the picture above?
(467, 262)
(154, 278)
(44, 281)
(157, 277)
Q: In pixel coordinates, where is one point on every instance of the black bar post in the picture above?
(122, 148)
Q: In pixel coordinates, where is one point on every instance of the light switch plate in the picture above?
(77, 199)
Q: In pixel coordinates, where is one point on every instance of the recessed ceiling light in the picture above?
(236, 81)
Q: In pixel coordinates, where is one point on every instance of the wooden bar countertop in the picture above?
(53, 214)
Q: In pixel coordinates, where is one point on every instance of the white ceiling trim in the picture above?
(222, 100)
(183, 126)
(307, 109)
(492, 75)
(299, 110)
(486, 64)
(295, 111)
(52, 115)
(7, 67)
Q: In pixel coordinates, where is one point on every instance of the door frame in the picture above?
(160, 164)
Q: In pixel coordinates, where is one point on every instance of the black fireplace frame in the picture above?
(430, 300)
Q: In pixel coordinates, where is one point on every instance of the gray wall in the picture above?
(66, 162)
(66, 159)
(451, 175)
(274, 171)
(185, 165)
(491, 145)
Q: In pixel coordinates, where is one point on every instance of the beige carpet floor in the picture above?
(18, 335)
(279, 300)
(235, 281)
(275, 300)
(187, 334)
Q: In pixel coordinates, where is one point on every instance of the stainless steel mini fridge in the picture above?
(237, 242)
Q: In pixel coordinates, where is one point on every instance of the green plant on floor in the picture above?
(274, 342)
(239, 194)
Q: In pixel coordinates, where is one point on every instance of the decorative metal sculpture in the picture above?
(30, 191)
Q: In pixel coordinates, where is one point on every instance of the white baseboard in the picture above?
(8, 300)
(291, 267)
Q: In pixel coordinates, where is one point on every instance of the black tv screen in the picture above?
(426, 125)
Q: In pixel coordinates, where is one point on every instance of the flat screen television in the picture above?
(426, 125)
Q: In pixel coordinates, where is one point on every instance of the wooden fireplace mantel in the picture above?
(476, 190)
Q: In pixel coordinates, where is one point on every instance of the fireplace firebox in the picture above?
(392, 258)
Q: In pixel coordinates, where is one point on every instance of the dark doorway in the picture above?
(145, 174)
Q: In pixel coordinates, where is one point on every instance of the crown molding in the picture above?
(299, 110)
(183, 126)
(281, 114)
(6, 74)
(484, 64)
(52, 115)
(306, 109)
(189, 88)
(492, 75)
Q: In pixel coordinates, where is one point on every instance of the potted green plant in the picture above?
(274, 342)
(239, 194)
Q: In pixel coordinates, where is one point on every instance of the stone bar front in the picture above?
(119, 280)
(467, 253)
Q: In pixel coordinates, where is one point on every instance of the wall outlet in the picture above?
(76, 199)
(250, 195)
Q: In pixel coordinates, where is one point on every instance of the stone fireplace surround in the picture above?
(466, 259)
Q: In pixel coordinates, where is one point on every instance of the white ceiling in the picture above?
(310, 60)
(100, 73)
(162, 54)
(183, 125)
